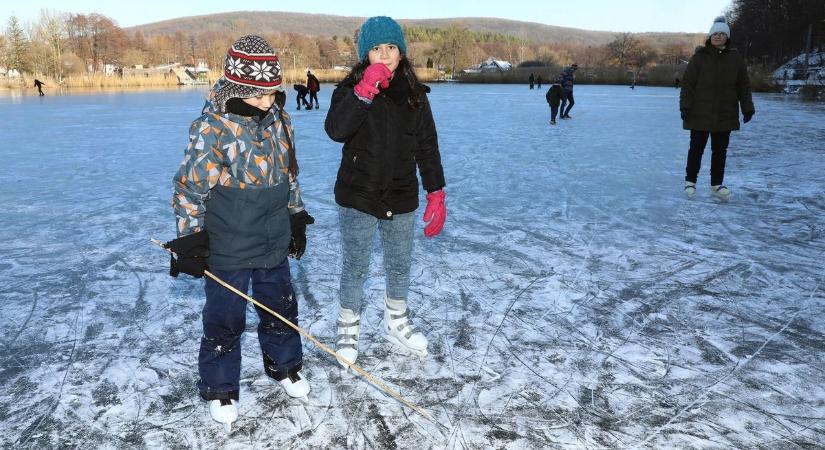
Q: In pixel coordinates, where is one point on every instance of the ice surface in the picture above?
(575, 299)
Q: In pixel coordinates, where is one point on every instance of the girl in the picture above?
(714, 86)
(381, 114)
(239, 212)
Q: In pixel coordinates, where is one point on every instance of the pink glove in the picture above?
(435, 213)
(375, 75)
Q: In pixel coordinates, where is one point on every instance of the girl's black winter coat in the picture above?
(384, 142)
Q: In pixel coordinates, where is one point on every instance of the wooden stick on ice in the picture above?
(375, 381)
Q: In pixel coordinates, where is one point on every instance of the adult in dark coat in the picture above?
(714, 87)
(314, 86)
(567, 84)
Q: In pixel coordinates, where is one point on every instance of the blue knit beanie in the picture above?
(380, 30)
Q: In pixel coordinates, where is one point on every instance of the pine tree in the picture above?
(17, 46)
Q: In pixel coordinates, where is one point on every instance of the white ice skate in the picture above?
(400, 331)
(224, 411)
(294, 383)
(690, 189)
(349, 328)
(721, 192)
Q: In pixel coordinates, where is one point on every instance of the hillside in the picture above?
(326, 26)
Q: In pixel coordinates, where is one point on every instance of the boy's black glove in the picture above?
(747, 117)
(298, 223)
(192, 251)
(685, 113)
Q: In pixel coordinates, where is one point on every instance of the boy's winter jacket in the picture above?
(714, 86)
(234, 183)
(554, 95)
(384, 142)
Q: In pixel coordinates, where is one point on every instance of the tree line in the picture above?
(67, 44)
(773, 31)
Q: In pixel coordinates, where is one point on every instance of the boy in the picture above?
(553, 97)
(302, 96)
(239, 214)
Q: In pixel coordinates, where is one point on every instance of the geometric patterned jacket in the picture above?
(232, 151)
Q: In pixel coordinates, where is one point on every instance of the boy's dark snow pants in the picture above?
(553, 111)
(224, 320)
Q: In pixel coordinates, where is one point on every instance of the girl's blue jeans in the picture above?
(357, 235)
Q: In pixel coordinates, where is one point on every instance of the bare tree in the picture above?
(51, 31)
(3, 52)
(622, 48)
(642, 55)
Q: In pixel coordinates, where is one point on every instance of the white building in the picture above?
(490, 65)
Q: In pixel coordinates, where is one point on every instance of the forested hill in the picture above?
(327, 26)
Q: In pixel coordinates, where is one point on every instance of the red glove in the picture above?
(435, 213)
(375, 75)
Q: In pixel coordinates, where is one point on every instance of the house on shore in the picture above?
(186, 75)
(490, 65)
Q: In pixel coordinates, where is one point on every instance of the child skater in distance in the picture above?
(239, 214)
(553, 97)
(381, 114)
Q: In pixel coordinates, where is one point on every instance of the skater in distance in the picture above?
(313, 85)
(567, 85)
(553, 97)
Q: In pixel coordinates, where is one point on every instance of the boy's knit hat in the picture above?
(380, 30)
(720, 25)
(251, 68)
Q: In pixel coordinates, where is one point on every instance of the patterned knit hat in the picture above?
(251, 68)
(380, 30)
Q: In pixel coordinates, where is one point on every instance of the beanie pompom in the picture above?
(720, 25)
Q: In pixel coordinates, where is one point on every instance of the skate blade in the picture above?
(404, 349)
(227, 426)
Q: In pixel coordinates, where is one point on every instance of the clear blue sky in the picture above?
(608, 15)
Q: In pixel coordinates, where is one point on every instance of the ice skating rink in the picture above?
(576, 299)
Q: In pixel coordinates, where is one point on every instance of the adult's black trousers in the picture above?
(719, 150)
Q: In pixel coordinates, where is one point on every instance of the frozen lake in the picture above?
(576, 299)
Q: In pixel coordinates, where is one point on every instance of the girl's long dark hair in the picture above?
(404, 67)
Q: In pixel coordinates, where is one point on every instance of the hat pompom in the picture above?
(720, 25)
